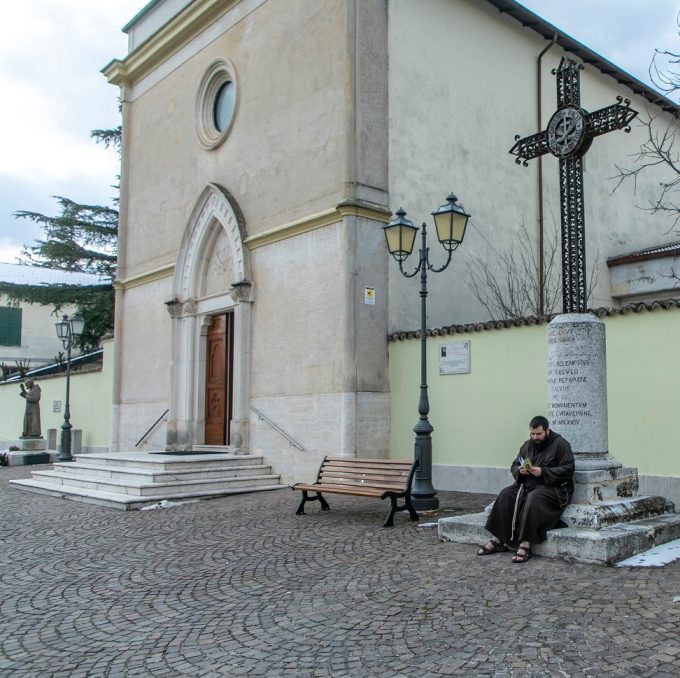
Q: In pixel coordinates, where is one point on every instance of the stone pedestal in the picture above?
(577, 409)
(577, 384)
(32, 444)
(31, 451)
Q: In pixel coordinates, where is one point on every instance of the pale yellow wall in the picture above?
(90, 404)
(462, 83)
(481, 418)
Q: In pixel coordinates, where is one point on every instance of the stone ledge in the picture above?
(596, 516)
(27, 458)
(605, 546)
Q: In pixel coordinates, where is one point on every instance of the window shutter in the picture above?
(10, 326)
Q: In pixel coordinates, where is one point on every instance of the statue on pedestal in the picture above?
(31, 392)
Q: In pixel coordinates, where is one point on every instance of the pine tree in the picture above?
(80, 238)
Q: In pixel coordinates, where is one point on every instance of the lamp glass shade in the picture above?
(400, 234)
(62, 328)
(77, 325)
(450, 221)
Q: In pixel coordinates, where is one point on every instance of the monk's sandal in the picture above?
(496, 547)
(523, 554)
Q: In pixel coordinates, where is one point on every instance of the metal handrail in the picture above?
(151, 428)
(276, 428)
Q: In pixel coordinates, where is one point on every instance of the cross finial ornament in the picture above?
(569, 134)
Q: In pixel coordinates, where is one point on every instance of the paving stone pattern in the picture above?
(242, 586)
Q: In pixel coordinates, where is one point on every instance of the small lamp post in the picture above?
(450, 221)
(69, 330)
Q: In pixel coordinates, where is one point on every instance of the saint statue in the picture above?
(32, 416)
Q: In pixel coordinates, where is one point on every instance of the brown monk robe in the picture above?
(526, 510)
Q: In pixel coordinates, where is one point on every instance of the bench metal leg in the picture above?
(394, 507)
(301, 509)
(305, 498)
(389, 521)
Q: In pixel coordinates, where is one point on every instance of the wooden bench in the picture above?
(363, 478)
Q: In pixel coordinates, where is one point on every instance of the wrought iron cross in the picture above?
(568, 136)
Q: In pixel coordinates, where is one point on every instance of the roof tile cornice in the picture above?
(602, 312)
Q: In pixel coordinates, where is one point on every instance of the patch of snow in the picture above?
(658, 556)
(427, 524)
(166, 503)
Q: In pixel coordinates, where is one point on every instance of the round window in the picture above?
(216, 103)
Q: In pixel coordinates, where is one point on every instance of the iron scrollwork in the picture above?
(568, 137)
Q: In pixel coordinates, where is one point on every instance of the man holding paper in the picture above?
(527, 509)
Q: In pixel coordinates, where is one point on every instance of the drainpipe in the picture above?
(539, 115)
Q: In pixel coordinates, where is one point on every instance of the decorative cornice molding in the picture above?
(365, 210)
(188, 23)
(145, 278)
(347, 208)
(664, 304)
(290, 230)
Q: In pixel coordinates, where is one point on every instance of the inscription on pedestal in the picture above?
(577, 383)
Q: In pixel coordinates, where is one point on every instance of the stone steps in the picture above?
(607, 545)
(130, 481)
(158, 460)
(152, 475)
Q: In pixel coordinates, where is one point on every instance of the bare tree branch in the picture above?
(660, 149)
(508, 286)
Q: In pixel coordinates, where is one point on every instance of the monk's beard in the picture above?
(541, 444)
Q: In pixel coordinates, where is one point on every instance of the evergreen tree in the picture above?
(80, 238)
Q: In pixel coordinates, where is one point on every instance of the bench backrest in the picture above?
(384, 474)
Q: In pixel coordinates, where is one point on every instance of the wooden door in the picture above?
(219, 379)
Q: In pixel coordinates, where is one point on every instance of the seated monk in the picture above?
(526, 510)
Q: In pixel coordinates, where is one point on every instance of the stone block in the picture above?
(591, 487)
(29, 458)
(76, 441)
(51, 438)
(32, 444)
(606, 513)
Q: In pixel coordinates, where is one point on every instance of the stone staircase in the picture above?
(129, 481)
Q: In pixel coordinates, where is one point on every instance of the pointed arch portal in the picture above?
(212, 277)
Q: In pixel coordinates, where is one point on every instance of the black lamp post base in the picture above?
(425, 503)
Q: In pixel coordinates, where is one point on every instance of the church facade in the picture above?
(265, 144)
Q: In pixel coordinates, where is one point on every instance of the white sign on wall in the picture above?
(454, 358)
(369, 296)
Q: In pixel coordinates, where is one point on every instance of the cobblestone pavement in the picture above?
(242, 586)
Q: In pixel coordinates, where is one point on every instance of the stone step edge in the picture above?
(142, 470)
(141, 486)
(126, 501)
(210, 461)
(160, 457)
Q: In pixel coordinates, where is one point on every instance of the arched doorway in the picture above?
(212, 280)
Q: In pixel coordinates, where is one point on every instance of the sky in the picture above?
(52, 51)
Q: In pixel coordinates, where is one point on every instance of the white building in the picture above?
(27, 331)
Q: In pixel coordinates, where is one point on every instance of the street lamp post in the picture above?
(69, 330)
(450, 221)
